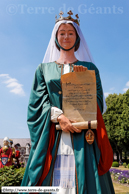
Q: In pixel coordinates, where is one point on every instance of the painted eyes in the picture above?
(63, 34)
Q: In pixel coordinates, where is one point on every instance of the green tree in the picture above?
(117, 122)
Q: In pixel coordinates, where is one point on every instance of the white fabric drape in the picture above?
(64, 168)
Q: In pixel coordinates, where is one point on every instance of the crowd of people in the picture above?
(10, 155)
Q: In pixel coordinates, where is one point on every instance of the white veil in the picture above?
(82, 54)
(52, 53)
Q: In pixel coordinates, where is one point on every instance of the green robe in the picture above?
(45, 94)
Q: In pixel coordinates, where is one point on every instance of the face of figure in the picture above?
(66, 36)
(16, 147)
(6, 143)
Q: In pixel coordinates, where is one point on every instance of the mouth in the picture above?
(66, 42)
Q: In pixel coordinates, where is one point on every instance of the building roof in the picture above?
(21, 141)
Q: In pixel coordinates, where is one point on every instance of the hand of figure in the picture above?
(66, 124)
(79, 68)
(8, 159)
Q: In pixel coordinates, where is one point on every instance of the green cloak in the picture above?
(45, 94)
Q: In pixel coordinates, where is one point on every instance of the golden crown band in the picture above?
(69, 18)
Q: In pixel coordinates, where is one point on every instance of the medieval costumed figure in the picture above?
(5, 154)
(63, 157)
(13, 150)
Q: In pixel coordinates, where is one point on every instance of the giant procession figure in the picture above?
(5, 154)
(82, 168)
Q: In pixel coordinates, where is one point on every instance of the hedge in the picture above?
(10, 176)
(115, 164)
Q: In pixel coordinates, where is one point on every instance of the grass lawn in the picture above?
(120, 189)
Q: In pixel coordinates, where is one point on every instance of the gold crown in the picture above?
(68, 17)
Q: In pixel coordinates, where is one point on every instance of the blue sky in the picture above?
(25, 30)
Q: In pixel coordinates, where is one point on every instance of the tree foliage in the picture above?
(116, 119)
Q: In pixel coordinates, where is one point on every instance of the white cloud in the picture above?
(125, 89)
(10, 80)
(127, 84)
(106, 94)
(4, 75)
(13, 84)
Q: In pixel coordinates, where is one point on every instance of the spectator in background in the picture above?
(120, 162)
(17, 155)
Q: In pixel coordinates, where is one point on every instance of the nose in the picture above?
(66, 35)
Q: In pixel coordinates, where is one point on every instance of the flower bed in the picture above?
(121, 175)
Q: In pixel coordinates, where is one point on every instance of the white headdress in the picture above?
(82, 54)
(6, 139)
